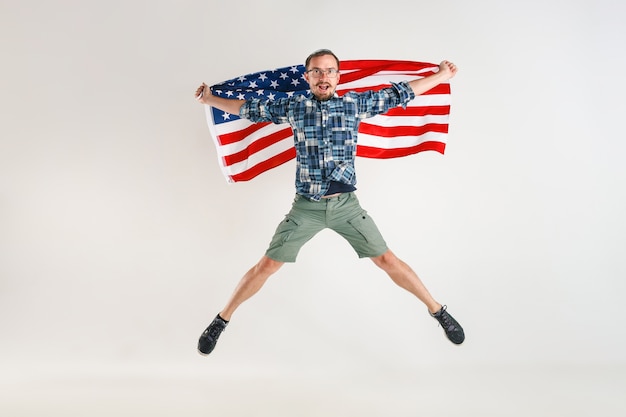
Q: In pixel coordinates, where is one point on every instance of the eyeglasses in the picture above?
(317, 73)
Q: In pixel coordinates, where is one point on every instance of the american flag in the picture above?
(247, 149)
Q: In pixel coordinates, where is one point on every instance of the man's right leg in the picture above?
(249, 285)
(304, 220)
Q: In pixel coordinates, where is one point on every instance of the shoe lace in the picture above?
(215, 329)
(445, 320)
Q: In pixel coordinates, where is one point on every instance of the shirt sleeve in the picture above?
(261, 110)
(404, 91)
(372, 103)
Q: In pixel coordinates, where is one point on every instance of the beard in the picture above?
(325, 95)
(324, 98)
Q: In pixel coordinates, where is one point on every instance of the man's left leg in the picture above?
(406, 278)
(351, 221)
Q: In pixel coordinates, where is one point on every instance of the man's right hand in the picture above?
(202, 93)
(229, 105)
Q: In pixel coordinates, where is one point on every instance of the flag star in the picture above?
(229, 93)
(242, 79)
(290, 93)
(260, 92)
(263, 77)
(241, 96)
(252, 84)
(274, 84)
(219, 92)
(284, 75)
(226, 116)
(271, 96)
(294, 69)
(295, 82)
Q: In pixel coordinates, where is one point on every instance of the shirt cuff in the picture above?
(405, 92)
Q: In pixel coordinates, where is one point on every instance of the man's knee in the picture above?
(268, 266)
(386, 261)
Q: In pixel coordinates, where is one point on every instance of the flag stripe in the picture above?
(277, 132)
(269, 163)
(258, 145)
(366, 68)
(387, 65)
(228, 138)
(385, 120)
(360, 87)
(400, 141)
(261, 156)
(378, 153)
(420, 111)
(390, 132)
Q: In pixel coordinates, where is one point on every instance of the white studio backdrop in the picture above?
(120, 239)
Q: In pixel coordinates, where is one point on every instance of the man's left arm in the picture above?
(446, 71)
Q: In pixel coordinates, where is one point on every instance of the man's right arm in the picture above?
(446, 71)
(229, 105)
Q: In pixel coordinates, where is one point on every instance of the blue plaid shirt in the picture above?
(325, 132)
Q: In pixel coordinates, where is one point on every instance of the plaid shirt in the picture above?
(325, 132)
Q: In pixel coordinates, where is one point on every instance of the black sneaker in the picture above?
(453, 329)
(207, 341)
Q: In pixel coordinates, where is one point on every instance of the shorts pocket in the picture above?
(362, 223)
(286, 228)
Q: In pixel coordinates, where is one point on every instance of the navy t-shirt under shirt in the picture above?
(339, 187)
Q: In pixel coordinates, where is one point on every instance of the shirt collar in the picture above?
(312, 97)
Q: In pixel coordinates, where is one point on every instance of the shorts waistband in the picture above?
(337, 197)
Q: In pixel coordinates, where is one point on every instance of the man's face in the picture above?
(322, 85)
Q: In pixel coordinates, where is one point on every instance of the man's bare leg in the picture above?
(405, 277)
(250, 284)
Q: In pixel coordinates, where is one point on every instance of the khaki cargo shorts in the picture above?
(341, 213)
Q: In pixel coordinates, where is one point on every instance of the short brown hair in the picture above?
(320, 52)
